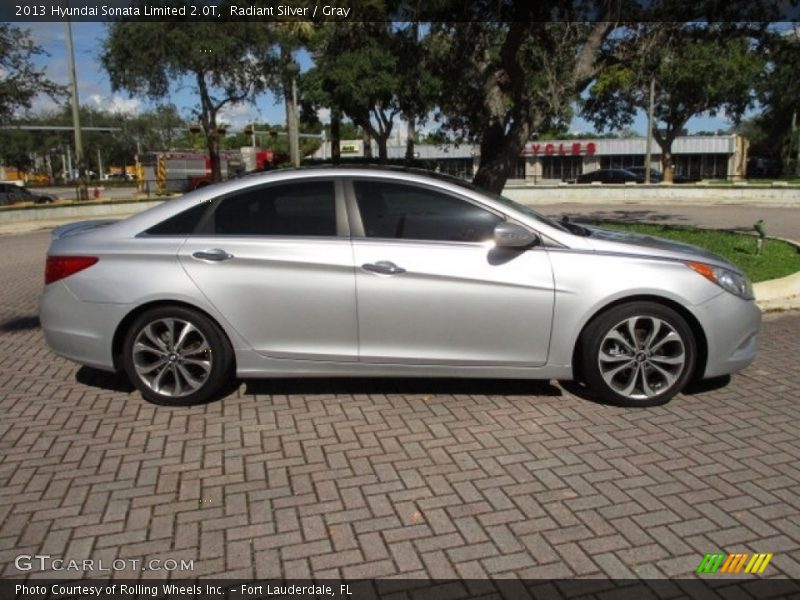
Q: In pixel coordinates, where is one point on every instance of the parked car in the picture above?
(607, 176)
(655, 174)
(120, 177)
(12, 193)
(350, 271)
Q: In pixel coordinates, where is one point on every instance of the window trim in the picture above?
(357, 225)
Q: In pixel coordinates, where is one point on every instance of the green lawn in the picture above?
(777, 260)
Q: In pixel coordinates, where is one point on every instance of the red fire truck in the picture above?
(178, 172)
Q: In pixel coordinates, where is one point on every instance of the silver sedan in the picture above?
(381, 272)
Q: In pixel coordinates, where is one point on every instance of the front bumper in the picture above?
(731, 326)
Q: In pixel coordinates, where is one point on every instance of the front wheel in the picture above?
(177, 356)
(638, 354)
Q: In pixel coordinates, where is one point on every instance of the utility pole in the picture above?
(292, 129)
(649, 150)
(83, 192)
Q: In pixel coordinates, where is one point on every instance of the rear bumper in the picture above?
(77, 330)
(731, 326)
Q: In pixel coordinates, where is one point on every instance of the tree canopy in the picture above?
(506, 81)
(696, 70)
(20, 80)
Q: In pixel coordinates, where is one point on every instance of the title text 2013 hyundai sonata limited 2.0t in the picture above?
(380, 272)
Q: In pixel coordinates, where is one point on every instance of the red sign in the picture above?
(561, 149)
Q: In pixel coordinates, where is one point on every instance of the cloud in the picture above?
(115, 103)
(324, 115)
(237, 116)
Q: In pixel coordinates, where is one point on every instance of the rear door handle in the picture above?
(384, 267)
(215, 254)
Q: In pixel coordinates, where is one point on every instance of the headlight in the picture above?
(736, 284)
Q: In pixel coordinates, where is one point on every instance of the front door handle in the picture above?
(384, 267)
(215, 254)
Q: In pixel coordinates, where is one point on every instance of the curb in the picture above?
(778, 294)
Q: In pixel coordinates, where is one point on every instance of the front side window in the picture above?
(305, 208)
(400, 211)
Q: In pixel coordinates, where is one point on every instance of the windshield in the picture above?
(527, 210)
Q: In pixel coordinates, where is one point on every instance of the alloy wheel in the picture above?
(172, 357)
(641, 357)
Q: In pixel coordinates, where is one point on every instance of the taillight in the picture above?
(58, 267)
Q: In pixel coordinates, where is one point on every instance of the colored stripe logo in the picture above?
(743, 562)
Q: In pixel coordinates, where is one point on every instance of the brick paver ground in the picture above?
(382, 478)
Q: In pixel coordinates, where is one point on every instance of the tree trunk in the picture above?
(664, 141)
(666, 164)
(336, 137)
(383, 152)
(499, 155)
(411, 138)
(208, 119)
(212, 139)
(367, 139)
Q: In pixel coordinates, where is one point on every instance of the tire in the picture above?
(646, 371)
(191, 363)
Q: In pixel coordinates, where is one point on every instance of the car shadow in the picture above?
(693, 388)
(622, 216)
(118, 382)
(115, 382)
(393, 385)
(20, 324)
(706, 385)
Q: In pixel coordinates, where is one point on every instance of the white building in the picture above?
(694, 157)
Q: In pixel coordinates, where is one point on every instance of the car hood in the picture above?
(606, 240)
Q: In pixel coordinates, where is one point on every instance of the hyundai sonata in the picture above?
(381, 272)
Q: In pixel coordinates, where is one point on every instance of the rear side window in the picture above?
(400, 211)
(184, 223)
(296, 209)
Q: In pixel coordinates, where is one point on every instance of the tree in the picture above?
(356, 71)
(225, 62)
(697, 69)
(508, 79)
(775, 132)
(20, 80)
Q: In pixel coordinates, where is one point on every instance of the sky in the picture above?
(94, 87)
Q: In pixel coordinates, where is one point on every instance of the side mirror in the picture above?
(511, 235)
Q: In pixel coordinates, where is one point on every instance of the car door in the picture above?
(276, 261)
(433, 289)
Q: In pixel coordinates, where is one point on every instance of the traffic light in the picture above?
(248, 130)
(195, 128)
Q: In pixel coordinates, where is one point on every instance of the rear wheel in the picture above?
(177, 356)
(638, 354)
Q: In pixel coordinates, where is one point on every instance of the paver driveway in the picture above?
(385, 477)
